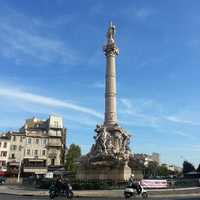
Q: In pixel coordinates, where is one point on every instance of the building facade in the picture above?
(146, 158)
(4, 152)
(37, 147)
(172, 168)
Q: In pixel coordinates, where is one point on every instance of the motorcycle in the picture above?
(54, 191)
(2, 180)
(131, 192)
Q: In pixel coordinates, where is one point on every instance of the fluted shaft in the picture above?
(111, 51)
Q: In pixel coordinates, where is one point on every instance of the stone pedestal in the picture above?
(101, 172)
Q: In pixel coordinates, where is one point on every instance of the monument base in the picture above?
(114, 173)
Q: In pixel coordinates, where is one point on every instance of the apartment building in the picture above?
(146, 158)
(38, 146)
(16, 152)
(4, 152)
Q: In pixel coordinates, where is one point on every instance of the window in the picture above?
(36, 152)
(28, 152)
(56, 124)
(3, 163)
(37, 141)
(53, 162)
(0, 144)
(14, 147)
(44, 141)
(14, 137)
(21, 138)
(5, 144)
(12, 155)
(4, 153)
(58, 133)
(29, 141)
(43, 152)
(20, 147)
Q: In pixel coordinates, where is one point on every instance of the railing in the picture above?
(35, 167)
(54, 144)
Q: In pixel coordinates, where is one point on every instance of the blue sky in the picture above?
(51, 62)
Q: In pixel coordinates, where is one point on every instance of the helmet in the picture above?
(132, 175)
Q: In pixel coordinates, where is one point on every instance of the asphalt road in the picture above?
(13, 197)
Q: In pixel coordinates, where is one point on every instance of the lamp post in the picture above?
(20, 164)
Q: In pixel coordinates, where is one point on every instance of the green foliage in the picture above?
(71, 158)
(91, 185)
(152, 169)
(188, 167)
(163, 171)
(136, 164)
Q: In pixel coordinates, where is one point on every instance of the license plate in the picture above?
(129, 190)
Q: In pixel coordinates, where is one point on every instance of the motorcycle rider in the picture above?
(60, 184)
(135, 184)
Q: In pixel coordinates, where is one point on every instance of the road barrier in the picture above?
(147, 183)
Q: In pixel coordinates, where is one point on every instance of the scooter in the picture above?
(2, 180)
(54, 191)
(131, 192)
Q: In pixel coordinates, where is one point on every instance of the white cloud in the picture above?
(127, 103)
(27, 40)
(134, 113)
(14, 93)
(139, 13)
(183, 134)
(98, 84)
(176, 119)
(143, 12)
(149, 113)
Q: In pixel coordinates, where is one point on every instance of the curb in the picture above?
(113, 194)
(77, 196)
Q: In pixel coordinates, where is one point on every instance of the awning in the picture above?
(13, 163)
(2, 173)
(36, 160)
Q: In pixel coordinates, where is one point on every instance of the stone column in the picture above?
(111, 51)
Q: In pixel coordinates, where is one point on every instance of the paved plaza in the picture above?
(20, 193)
(13, 197)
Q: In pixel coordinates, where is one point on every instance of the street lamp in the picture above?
(20, 164)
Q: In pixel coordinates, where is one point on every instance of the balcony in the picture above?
(34, 169)
(54, 144)
(55, 133)
(35, 165)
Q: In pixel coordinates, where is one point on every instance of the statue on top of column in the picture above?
(111, 33)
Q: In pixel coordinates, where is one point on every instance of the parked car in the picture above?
(2, 180)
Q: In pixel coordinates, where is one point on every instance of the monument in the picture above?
(109, 155)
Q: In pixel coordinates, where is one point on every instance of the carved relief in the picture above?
(111, 142)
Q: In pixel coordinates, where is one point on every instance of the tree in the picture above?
(163, 171)
(71, 158)
(188, 167)
(136, 164)
(198, 168)
(152, 169)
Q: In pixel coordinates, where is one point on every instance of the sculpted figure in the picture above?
(101, 139)
(111, 34)
(109, 145)
(104, 139)
(125, 141)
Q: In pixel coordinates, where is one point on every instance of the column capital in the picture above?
(111, 50)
